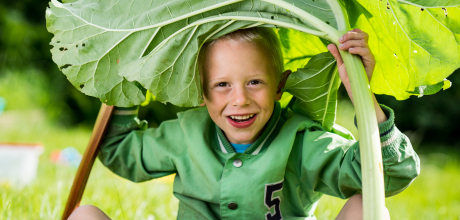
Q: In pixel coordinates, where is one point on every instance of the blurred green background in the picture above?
(42, 106)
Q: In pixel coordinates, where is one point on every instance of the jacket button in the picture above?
(232, 205)
(237, 163)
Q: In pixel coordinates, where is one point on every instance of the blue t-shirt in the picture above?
(240, 148)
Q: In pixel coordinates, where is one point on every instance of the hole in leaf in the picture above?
(61, 49)
(445, 11)
(65, 66)
(81, 86)
(76, 45)
(65, 49)
(422, 9)
(83, 44)
(58, 41)
(388, 5)
(327, 22)
(273, 17)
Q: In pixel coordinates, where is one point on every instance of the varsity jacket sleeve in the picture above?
(331, 164)
(135, 152)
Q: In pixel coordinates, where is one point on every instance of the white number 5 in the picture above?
(270, 202)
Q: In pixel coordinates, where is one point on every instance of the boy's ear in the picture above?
(203, 102)
(282, 83)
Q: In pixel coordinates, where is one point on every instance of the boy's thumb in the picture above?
(335, 52)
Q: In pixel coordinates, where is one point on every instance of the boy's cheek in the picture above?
(212, 99)
(205, 93)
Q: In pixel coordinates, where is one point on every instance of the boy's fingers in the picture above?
(366, 55)
(335, 52)
(353, 43)
(360, 51)
(354, 36)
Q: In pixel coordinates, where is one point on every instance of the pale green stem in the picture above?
(340, 14)
(331, 33)
(369, 137)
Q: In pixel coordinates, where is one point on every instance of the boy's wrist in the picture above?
(381, 116)
(387, 113)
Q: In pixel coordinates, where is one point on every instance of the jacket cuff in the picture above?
(123, 115)
(387, 132)
(386, 125)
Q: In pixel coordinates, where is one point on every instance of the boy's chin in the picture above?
(247, 137)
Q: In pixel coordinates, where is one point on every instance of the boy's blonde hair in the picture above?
(264, 37)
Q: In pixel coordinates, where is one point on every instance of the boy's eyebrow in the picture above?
(258, 74)
(225, 77)
(216, 79)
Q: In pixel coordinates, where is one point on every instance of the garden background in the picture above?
(43, 107)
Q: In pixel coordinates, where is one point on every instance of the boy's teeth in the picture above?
(241, 117)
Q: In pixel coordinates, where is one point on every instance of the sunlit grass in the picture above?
(119, 198)
(45, 198)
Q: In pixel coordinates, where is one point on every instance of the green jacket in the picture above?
(283, 174)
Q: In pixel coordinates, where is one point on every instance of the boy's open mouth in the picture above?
(242, 121)
(241, 118)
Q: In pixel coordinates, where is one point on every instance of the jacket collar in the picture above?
(262, 142)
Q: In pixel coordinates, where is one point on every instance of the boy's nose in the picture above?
(240, 97)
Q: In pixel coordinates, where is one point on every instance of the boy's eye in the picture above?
(221, 84)
(254, 82)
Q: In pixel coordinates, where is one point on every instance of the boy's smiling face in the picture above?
(240, 87)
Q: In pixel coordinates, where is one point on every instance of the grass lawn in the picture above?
(433, 195)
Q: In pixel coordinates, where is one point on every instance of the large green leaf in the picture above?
(414, 47)
(298, 47)
(115, 50)
(315, 88)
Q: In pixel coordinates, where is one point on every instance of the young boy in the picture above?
(240, 158)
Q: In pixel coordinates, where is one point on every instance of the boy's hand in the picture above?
(355, 41)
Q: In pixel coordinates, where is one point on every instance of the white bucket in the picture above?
(19, 162)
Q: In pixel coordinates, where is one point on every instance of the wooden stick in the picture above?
(79, 183)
